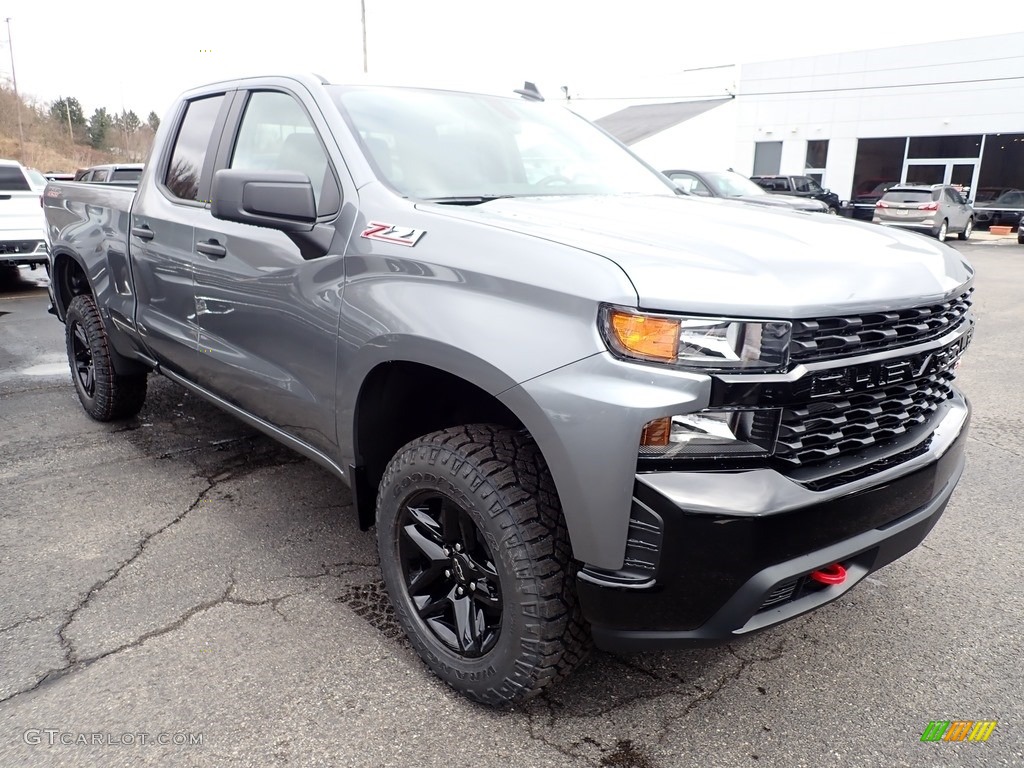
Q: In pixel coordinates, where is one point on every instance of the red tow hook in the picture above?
(830, 574)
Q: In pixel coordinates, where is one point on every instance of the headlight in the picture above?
(690, 342)
(711, 433)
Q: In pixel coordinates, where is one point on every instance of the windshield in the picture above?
(728, 184)
(457, 146)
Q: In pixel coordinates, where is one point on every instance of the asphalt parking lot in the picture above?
(179, 590)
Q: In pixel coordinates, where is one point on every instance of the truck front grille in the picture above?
(823, 429)
(828, 338)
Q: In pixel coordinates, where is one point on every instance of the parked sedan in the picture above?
(1005, 209)
(936, 210)
(732, 185)
(866, 196)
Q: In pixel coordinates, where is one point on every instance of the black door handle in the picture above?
(211, 248)
(143, 232)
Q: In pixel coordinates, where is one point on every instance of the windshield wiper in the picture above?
(466, 199)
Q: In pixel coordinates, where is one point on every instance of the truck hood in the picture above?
(719, 256)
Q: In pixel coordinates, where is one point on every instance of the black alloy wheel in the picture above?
(476, 558)
(82, 364)
(450, 574)
(105, 394)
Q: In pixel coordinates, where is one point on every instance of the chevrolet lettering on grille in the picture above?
(858, 378)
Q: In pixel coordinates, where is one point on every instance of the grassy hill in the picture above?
(48, 147)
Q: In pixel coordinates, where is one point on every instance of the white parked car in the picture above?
(22, 226)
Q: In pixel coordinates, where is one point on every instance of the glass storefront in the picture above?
(989, 169)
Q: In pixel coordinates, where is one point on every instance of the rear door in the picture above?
(268, 316)
(166, 211)
(959, 212)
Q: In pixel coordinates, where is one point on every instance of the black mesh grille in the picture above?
(830, 427)
(867, 470)
(827, 338)
(781, 593)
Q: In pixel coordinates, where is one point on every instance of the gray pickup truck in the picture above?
(578, 407)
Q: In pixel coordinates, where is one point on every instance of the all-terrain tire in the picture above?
(495, 482)
(105, 394)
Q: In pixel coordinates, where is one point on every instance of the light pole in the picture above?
(17, 98)
(362, 8)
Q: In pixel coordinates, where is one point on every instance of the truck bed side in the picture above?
(88, 227)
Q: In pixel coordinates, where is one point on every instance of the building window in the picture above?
(767, 158)
(879, 165)
(817, 154)
(944, 146)
(999, 198)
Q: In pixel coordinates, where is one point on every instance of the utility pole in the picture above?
(17, 98)
(67, 108)
(362, 6)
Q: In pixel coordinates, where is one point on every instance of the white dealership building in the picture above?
(947, 112)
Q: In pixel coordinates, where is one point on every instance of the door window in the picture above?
(276, 134)
(99, 176)
(767, 158)
(190, 147)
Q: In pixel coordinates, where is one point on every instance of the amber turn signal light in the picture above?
(652, 337)
(656, 432)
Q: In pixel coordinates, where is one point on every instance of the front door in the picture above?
(268, 317)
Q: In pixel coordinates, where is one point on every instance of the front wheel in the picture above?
(943, 230)
(968, 228)
(476, 559)
(105, 394)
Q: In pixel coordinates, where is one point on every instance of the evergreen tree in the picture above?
(99, 124)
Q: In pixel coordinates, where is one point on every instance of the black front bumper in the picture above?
(722, 575)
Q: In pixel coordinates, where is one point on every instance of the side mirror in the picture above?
(281, 200)
(969, 201)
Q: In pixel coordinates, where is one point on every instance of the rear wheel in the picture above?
(968, 228)
(476, 559)
(943, 230)
(105, 394)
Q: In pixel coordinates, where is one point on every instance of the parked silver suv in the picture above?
(937, 210)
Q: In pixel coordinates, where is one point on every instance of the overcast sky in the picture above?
(139, 55)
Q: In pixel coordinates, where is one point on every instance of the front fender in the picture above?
(411, 349)
(587, 419)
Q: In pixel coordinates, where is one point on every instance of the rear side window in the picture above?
(127, 174)
(12, 179)
(190, 147)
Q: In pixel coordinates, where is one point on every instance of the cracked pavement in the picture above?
(182, 574)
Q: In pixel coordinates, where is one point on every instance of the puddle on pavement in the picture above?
(47, 369)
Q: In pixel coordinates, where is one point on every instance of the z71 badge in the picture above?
(389, 233)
